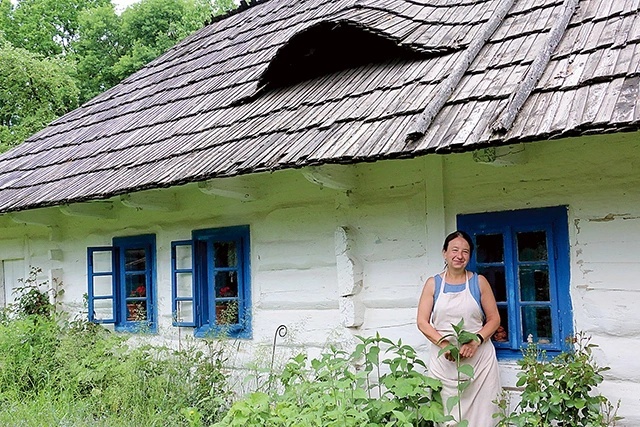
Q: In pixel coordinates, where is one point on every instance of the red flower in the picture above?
(226, 291)
(140, 291)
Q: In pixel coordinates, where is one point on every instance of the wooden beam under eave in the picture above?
(337, 177)
(155, 200)
(42, 217)
(509, 155)
(237, 188)
(102, 210)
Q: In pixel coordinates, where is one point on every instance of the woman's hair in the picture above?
(455, 234)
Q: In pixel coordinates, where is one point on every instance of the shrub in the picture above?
(341, 389)
(561, 391)
(56, 372)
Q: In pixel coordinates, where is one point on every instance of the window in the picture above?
(11, 271)
(211, 282)
(524, 254)
(122, 283)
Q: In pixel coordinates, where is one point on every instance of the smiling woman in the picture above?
(459, 297)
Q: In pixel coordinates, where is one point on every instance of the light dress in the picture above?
(477, 399)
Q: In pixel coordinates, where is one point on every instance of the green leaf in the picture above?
(467, 370)
(466, 337)
(452, 401)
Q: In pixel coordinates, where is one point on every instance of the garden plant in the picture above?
(561, 391)
(57, 371)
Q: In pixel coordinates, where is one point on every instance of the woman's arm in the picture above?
(490, 308)
(492, 318)
(425, 307)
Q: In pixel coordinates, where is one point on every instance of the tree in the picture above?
(57, 54)
(47, 27)
(33, 91)
(97, 50)
(5, 18)
(150, 27)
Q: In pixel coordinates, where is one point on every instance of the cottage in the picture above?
(299, 163)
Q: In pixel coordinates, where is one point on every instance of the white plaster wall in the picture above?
(599, 179)
(396, 214)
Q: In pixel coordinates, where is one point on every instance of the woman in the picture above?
(446, 298)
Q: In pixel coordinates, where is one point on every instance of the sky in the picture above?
(122, 4)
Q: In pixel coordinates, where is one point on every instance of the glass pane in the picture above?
(134, 260)
(184, 311)
(536, 324)
(502, 334)
(490, 248)
(102, 286)
(226, 284)
(532, 246)
(496, 277)
(183, 257)
(136, 285)
(226, 313)
(102, 262)
(103, 309)
(137, 311)
(534, 283)
(225, 254)
(183, 285)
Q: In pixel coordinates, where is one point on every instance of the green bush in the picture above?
(54, 372)
(341, 389)
(560, 391)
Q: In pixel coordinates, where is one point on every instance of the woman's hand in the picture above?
(469, 349)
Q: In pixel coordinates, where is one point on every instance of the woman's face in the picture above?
(457, 253)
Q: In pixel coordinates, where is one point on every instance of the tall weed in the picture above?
(54, 372)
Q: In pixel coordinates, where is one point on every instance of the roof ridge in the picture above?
(447, 86)
(244, 5)
(507, 116)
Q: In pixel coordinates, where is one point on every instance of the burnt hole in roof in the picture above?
(329, 47)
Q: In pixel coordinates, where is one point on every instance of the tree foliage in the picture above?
(57, 54)
(33, 91)
(47, 27)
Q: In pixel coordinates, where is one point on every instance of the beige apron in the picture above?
(477, 400)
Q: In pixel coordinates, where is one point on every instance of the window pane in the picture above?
(490, 248)
(534, 283)
(226, 313)
(536, 324)
(225, 254)
(134, 259)
(103, 309)
(496, 277)
(502, 334)
(137, 311)
(136, 285)
(102, 286)
(226, 284)
(183, 285)
(102, 262)
(532, 246)
(183, 257)
(184, 311)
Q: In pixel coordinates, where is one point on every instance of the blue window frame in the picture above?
(524, 254)
(211, 288)
(122, 281)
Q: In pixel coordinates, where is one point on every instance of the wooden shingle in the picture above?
(209, 107)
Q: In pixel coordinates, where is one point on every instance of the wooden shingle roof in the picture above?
(291, 83)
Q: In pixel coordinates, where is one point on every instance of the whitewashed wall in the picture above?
(355, 247)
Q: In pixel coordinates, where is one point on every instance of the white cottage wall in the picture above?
(384, 228)
(598, 178)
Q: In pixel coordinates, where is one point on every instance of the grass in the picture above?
(59, 373)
